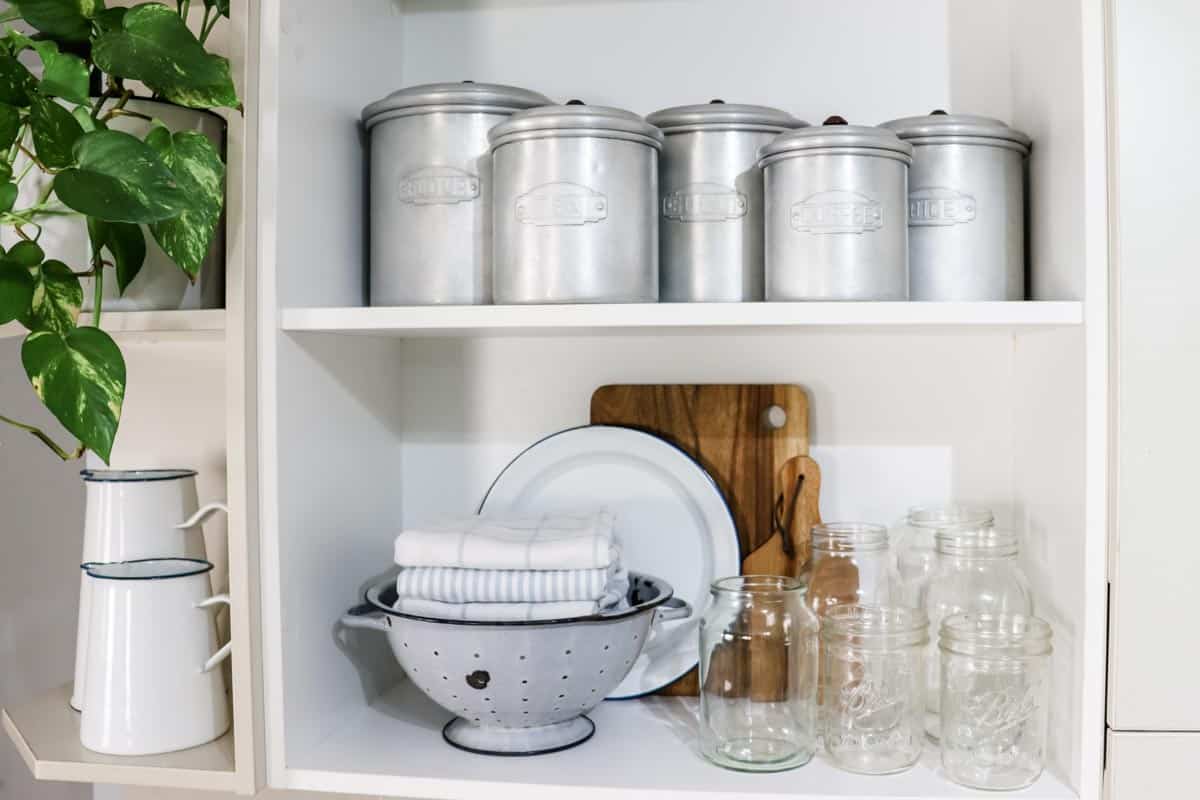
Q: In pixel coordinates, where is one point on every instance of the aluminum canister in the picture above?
(836, 226)
(711, 224)
(576, 188)
(431, 215)
(966, 207)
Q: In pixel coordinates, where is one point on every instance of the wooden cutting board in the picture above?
(753, 440)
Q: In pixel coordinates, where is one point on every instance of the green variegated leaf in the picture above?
(10, 125)
(27, 254)
(16, 290)
(16, 41)
(110, 19)
(16, 82)
(197, 167)
(57, 297)
(125, 242)
(84, 117)
(80, 377)
(119, 178)
(63, 75)
(61, 19)
(55, 132)
(8, 196)
(156, 47)
(219, 94)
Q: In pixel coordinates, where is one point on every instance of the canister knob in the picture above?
(716, 102)
(575, 103)
(938, 112)
(835, 120)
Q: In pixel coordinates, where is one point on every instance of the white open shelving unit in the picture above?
(189, 402)
(373, 418)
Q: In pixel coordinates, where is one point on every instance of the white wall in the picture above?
(41, 505)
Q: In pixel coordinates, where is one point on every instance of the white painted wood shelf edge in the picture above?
(642, 748)
(500, 320)
(46, 733)
(165, 324)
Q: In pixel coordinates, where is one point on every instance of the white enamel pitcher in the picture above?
(135, 514)
(158, 687)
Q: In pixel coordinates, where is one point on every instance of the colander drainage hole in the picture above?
(564, 677)
(435, 652)
(635, 637)
(487, 699)
(524, 699)
(568, 652)
(445, 678)
(522, 658)
(601, 672)
(561, 696)
(477, 655)
(524, 682)
(556, 708)
(605, 647)
(524, 712)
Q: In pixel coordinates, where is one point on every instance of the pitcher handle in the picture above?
(201, 516)
(227, 648)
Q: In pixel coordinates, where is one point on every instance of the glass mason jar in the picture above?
(758, 674)
(915, 545)
(873, 719)
(977, 574)
(995, 699)
(850, 565)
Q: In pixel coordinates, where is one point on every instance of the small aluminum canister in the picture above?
(576, 188)
(836, 226)
(966, 207)
(431, 191)
(711, 225)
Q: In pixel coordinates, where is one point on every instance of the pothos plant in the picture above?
(56, 122)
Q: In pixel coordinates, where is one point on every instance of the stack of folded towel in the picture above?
(495, 570)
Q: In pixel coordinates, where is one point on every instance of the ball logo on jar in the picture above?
(438, 186)
(561, 203)
(837, 212)
(876, 705)
(1001, 709)
(704, 202)
(938, 206)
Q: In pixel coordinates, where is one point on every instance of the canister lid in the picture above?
(466, 96)
(939, 127)
(719, 115)
(575, 119)
(835, 135)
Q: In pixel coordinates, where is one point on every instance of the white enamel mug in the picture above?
(135, 514)
(153, 682)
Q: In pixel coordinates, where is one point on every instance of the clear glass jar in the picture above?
(995, 699)
(873, 719)
(758, 674)
(977, 573)
(915, 545)
(850, 565)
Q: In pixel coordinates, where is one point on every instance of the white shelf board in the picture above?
(46, 732)
(514, 320)
(148, 324)
(642, 748)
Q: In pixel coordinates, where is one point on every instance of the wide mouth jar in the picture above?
(976, 542)
(849, 537)
(998, 636)
(868, 627)
(950, 516)
(759, 587)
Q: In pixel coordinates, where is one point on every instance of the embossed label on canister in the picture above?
(561, 203)
(438, 186)
(837, 211)
(704, 202)
(937, 205)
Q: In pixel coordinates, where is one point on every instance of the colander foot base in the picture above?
(494, 741)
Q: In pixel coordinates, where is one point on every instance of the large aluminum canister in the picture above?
(576, 188)
(836, 215)
(711, 205)
(966, 207)
(431, 216)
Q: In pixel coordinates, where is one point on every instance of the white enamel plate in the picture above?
(671, 520)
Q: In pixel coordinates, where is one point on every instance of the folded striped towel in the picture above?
(549, 542)
(496, 612)
(606, 585)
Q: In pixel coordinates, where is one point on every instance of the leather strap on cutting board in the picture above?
(753, 440)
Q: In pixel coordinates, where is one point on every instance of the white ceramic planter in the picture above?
(161, 285)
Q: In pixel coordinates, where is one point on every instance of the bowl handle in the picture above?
(367, 616)
(672, 608)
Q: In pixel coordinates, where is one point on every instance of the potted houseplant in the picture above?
(97, 156)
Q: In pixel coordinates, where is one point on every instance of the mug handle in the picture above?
(202, 515)
(227, 648)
